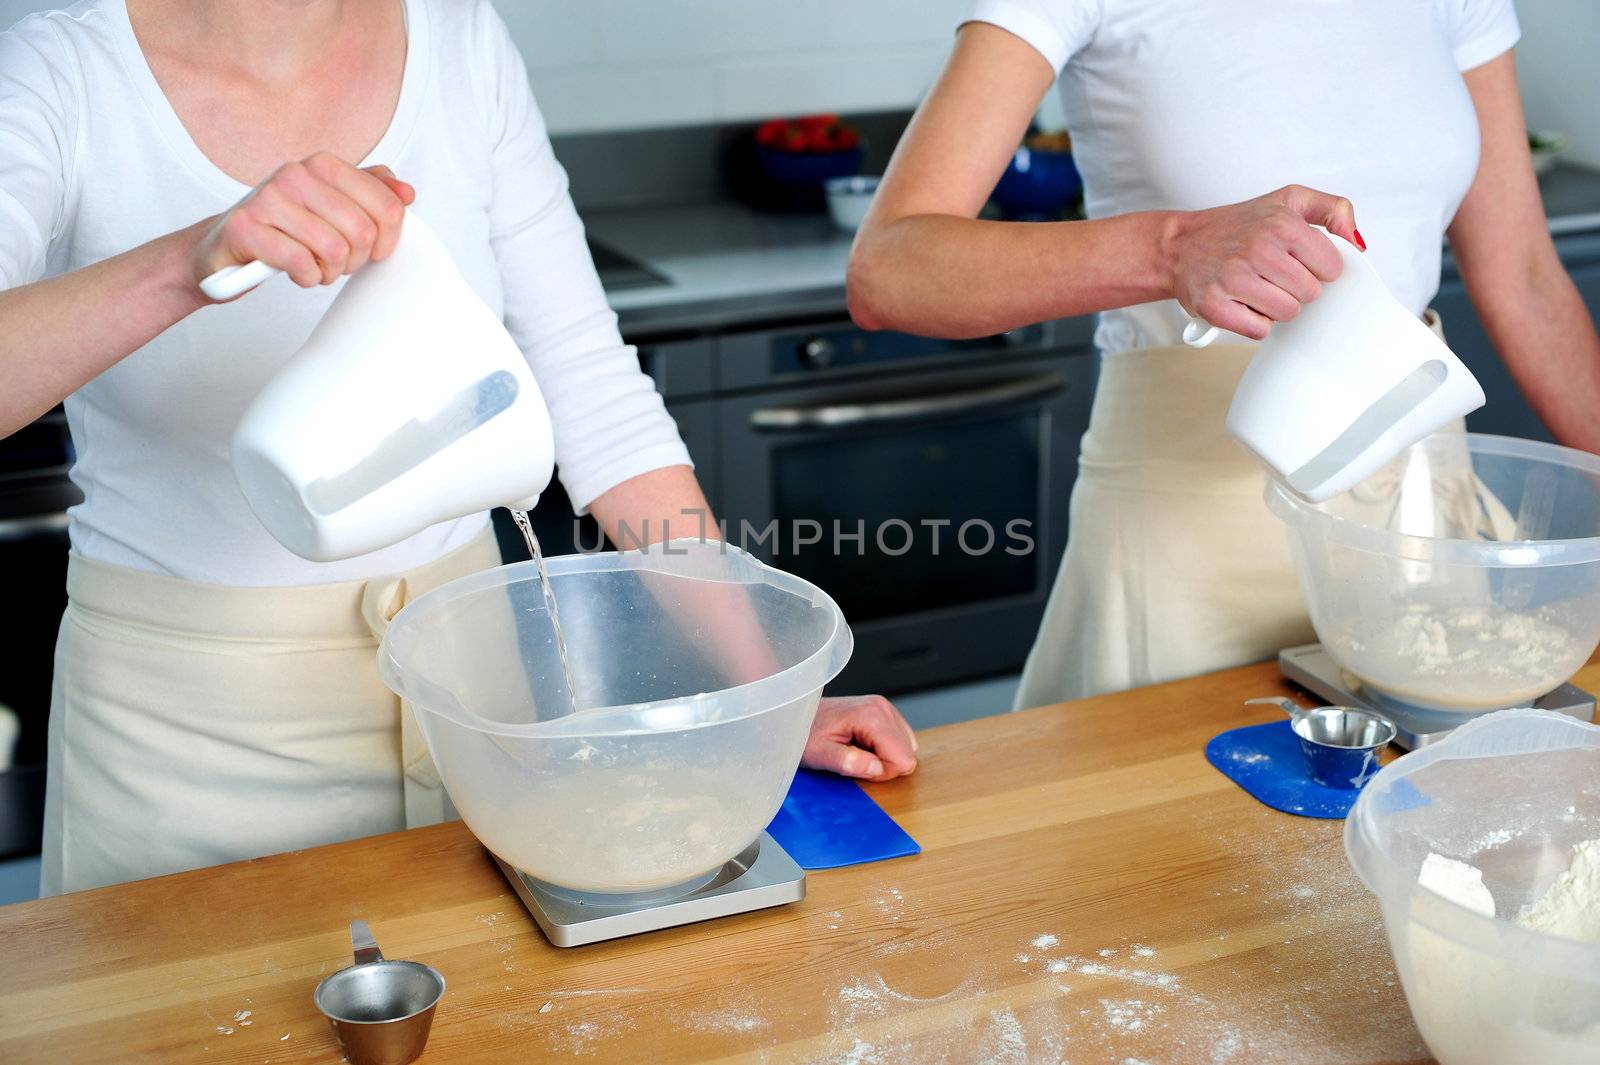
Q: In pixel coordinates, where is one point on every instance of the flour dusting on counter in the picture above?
(1129, 1015)
(728, 1020)
(1011, 1045)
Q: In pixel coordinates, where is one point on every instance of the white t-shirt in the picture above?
(1189, 104)
(94, 161)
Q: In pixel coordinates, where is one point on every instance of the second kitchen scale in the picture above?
(1312, 668)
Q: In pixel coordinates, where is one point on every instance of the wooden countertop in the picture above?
(1090, 889)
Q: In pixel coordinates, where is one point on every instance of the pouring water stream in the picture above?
(523, 523)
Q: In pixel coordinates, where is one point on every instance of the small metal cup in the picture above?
(1339, 744)
(381, 1011)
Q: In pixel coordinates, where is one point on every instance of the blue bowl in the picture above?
(1037, 184)
(808, 168)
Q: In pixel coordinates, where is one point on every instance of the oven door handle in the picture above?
(14, 530)
(851, 415)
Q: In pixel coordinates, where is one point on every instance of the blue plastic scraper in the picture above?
(827, 821)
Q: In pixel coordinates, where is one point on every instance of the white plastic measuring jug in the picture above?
(1335, 393)
(408, 405)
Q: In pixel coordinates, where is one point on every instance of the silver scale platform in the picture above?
(761, 875)
(1313, 669)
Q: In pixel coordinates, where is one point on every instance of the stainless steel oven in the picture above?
(34, 496)
(923, 483)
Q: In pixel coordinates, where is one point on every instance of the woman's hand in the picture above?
(861, 736)
(1247, 265)
(316, 220)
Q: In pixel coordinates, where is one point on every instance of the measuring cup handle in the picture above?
(1198, 333)
(1288, 706)
(233, 281)
(366, 948)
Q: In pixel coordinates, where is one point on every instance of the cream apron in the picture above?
(1174, 565)
(193, 724)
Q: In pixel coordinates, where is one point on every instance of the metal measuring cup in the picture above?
(381, 1011)
(1339, 744)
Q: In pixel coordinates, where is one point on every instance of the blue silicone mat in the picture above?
(1265, 761)
(827, 821)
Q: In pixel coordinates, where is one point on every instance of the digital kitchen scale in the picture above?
(1312, 668)
(761, 875)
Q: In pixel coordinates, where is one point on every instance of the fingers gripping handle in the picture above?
(1198, 333)
(233, 281)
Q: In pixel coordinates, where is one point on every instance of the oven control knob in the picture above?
(818, 352)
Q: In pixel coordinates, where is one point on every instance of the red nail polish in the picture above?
(1359, 242)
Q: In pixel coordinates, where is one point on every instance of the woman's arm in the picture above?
(924, 263)
(56, 335)
(664, 504)
(1528, 304)
(316, 220)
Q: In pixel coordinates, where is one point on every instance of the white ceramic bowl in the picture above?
(848, 200)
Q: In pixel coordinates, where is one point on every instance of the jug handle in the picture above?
(233, 281)
(1198, 333)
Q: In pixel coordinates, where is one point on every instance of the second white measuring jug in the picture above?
(1337, 391)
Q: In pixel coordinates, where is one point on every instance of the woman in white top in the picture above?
(216, 696)
(1204, 132)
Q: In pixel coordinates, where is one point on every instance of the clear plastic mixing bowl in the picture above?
(1465, 576)
(698, 672)
(1511, 794)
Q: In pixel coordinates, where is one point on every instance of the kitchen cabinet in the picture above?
(1507, 412)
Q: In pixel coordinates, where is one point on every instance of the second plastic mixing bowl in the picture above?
(1512, 794)
(1465, 576)
(698, 670)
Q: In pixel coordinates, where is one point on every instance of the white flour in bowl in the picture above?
(1459, 658)
(621, 831)
(1571, 907)
(1476, 1009)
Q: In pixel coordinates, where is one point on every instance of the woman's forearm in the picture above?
(668, 504)
(903, 274)
(316, 220)
(664, 504)
(1546, 336)
(57, 334)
